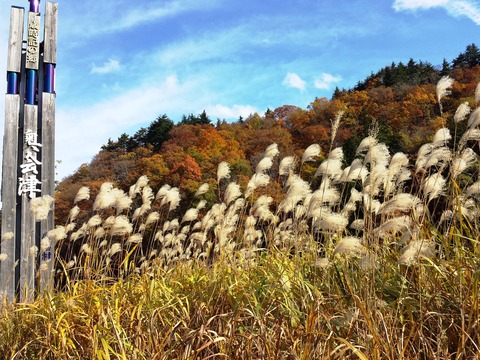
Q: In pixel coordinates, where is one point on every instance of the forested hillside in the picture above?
(265, 239)
(398, 102)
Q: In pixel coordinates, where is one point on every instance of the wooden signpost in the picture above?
(28, 173)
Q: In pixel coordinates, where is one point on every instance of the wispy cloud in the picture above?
(292, 80)
(90, 126)
(456, 8)
(325, 81)
(232, 112)
(109, 66)
(400, 5)
(119, 15)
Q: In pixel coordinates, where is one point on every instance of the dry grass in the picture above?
(380, 260)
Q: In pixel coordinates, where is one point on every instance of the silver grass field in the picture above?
(378, 260)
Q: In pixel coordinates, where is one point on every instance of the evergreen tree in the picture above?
(203, 119)
(139, 139)
(200, 119)
(469, 58)
(446, 68)
(157, 132)
(336, 93)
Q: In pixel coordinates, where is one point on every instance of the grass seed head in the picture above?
(265, 164)
(442, 87)
(271, 151)
(416, 250)
(202, 189)
(223, 171)
(462, 111)
(311, 153)
(82, 194)
(287, 164)
(350, 246)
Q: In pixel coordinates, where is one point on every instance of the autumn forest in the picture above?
(399, 101)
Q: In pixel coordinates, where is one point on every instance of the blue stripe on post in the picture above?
(12, 83)
(31, 90)
(49, 80)
(35, 6)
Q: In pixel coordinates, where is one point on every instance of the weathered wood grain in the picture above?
(14, 59)
(50, 37)
(48, 187)
(9, 197)
(28, 253)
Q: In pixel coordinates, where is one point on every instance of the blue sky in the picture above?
(122, 63)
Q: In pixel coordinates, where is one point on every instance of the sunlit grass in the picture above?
(378, 260)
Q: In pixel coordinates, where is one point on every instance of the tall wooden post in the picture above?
(26, 266)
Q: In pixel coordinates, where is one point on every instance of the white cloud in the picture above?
(233, 112)
(108, 67)
(400, 5)
(121, 15)
(324, 81)
(456, 8)
(81, 131)
(294, 81)
(469, 9)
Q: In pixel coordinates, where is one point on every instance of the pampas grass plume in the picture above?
(232, 192)
(73, 213)
(442, 87)
(416, 250)
(223, 171)
(82, 194)
(135, 239)
(162, 192)
(358, 224)
(378, 155)
(121, 226)
(45, 244)
(467, 158)
(286, 165)
(400, 202)
(469, 135)
(474, 119)
(202, 189)
(105, 198)
(94, 221)
(366, 144)
(311, 153)
(441, 137)
(142, 181)
(8, 236)
(41, 207)
(434, 186)
(86, 249)
(462, 111)
(336, 124)
(271, 151)
(350, 246)
(154, 216)
(473, 189)
(264, 164)
(172, 197)
(201, 204)
(147, 195)
(99, 233)
(190, 215)
(115, 248)
(256, 181)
